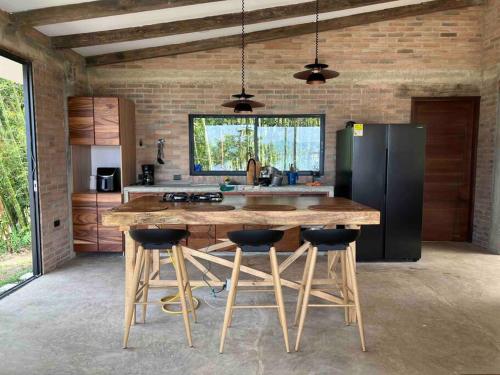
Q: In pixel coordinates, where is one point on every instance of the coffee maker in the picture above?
(148, 174)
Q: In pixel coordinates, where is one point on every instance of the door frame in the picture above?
(31, 154)
(476, 100)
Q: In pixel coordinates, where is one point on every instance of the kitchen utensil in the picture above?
(160, 155)
(277, 180)
(251, 172)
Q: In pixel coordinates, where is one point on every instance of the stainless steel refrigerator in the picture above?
(382, 166)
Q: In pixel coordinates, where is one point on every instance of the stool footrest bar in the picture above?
(255, 306)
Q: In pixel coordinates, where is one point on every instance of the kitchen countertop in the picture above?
(209, 188)
(150, 210)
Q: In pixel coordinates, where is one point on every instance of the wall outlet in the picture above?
(177, 177)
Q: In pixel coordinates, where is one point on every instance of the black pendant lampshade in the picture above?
(243, 104)
(316, 74)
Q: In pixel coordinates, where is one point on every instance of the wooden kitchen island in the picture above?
(281, 212)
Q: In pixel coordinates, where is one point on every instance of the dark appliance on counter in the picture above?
(148, 174)
(207, 197)
(108, 180)
(382, 166)
(195, 197)
(175, 197)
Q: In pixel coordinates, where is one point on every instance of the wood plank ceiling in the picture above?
(111, 31)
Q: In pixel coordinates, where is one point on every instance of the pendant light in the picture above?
(243, 104)
(316, 74)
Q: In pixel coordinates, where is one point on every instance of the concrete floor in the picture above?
(440, 315)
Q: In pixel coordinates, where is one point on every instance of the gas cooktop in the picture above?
(195, 197)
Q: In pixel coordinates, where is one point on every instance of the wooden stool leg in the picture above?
(307, 293)
(233, 301)
(182, 296)
(352, 270)
(302, 286)
(145, 290)
(156, 264)
(343, 260)
(231, 297)
(185, 276)
(279, 296)
(131, 298)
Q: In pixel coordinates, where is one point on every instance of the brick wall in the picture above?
(382, 66)
(51, 87)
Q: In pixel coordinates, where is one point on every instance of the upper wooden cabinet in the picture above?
(81, 120)
(106, 121)
(101, 121)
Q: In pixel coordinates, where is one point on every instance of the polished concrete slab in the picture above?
(440, 315)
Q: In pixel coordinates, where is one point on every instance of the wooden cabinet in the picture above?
(81, 120)
(89, 235)
(201, 236)
(106, 121)
(85, 222)
(97, 121)
(109, 239)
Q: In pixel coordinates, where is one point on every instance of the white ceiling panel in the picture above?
(189, 37)
(159, 16)
(12, 6)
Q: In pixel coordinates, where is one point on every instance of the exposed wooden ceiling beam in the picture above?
(38, 44)
(281, 32)
(95, 9)
(203, 24)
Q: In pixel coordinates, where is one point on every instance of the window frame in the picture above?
(192, 172)
(33, 178)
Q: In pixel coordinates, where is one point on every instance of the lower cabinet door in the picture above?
(109, 239)
(201, 236)
(85, 229)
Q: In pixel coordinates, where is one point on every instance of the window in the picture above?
(222, 144)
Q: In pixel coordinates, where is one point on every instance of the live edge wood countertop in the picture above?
(150, 210)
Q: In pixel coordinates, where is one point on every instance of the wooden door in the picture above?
(81, 120)
(109, 239)
(84, 222)
(106, 121)
(451, 125)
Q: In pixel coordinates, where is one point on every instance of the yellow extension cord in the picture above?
(175, 297)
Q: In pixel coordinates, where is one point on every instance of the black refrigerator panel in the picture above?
(404, 198)
(368, 187)
(343, 163)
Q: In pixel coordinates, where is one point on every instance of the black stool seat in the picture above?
(255, 239)
(158, 239)
(338, 238)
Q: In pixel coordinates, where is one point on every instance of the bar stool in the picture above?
(158, 239)
(261, 240)
(339, 240)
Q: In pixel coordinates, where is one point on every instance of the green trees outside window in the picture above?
(223, 144)
(15, 230)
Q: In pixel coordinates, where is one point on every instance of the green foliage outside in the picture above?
(233, 146)
(226, 143)
(15, 233)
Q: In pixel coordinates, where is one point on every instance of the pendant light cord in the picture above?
(317, 29)
(243, 46)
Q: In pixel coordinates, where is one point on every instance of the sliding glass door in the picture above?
(19, 224)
